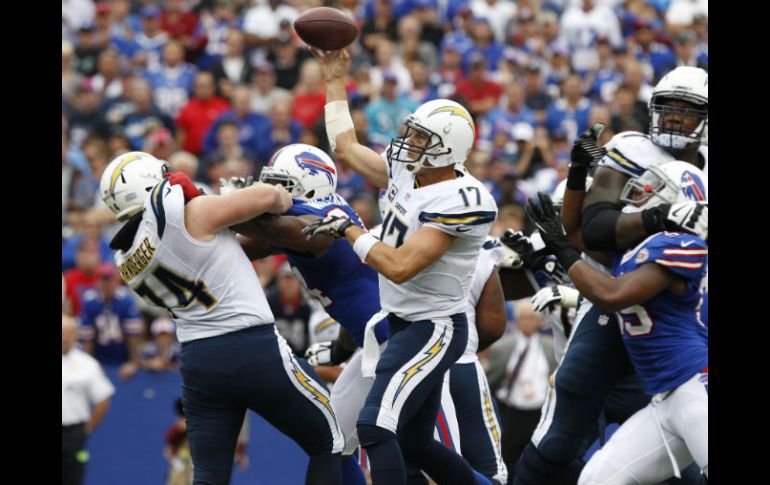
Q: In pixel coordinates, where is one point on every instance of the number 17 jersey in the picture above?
(461, 207)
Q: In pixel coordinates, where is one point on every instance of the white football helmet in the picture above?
(450, 131)
(305, 171)
(557, 197)
(684, 83)
(666, 183)
(127, 180)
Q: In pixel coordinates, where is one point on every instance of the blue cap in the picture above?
(150, 11)
(389, 76)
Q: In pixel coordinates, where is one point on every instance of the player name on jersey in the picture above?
(136, 262)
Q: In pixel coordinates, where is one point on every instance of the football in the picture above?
(326, 28)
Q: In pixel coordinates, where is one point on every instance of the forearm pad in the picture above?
(339, 354)
(599, 223)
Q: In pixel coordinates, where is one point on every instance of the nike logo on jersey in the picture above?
(685, 244)
(460, 229)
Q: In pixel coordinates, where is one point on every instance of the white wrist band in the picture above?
(363, 245)
(338, 121)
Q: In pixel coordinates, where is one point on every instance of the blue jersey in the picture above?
(108, 322)
(171, 87)
(347, 288)
(665, 338)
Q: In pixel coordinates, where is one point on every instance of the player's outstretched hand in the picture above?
(233, 184)
(585, 152)
(319, 354)
(548, 223)
(518, 242)
(691, 216)
(189, 189)
(333, 226)
(334, 64)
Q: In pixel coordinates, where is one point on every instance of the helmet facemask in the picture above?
(277, 176)
(416, 155)
(648, 190)
(675, 136)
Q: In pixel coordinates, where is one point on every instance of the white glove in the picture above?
(333, 226)
(549, 296)
(511, 259)
(690, 216)
(235, 183)
(319, 354)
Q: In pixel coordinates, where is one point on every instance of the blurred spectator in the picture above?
(180, 24)
(159, 143)
(114, 110)
(85, 399)
(281, 130)
(172, 81)
(196, 117)
(262, 23)
(187, 163)
(387, 61)
(112, 329)
(480, 94)
(681, 13)
(87, 50)
(570, 112)
(85, 187)
(309, 95)
(232, 68)
(163, 351)
(497, 12)
(286, 58)
(366, 209)
(581, 23)
(385, 115)
(70, 78)
(686, 53)
(379, 27)
(411, 47)
(507, 190)
(124, 23)
(214, 27)
(509, 216)
(485, 44)
(228, 148)
(603, 81)
(83, 276)
(150, 40)
(291, 311)
(654, 56)
(250, 125)
(90, 228)
(628, 113)
(536, 97)
(264, 92)
(86, 119)
(511, 110)
(107, 80)
(422, 90)
(75, 13)
(450, 71)
(557, 69)
(145, 116)
(518, 369)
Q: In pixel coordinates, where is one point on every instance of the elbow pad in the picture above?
(599, 222)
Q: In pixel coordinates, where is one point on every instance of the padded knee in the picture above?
(370, 435)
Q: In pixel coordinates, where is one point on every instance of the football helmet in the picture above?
(666, 183)
(690, 84)
(127, 180)
(305, 171)
(448, 132)
(557, 197)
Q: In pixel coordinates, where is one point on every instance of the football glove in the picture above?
(319, 354)
(333, 226)
(550, 296)
(549, 225)
(234, 183)
(585, 152)
(690, 216)
(189, 189)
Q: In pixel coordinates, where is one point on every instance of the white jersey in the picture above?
(461, 207)
(491, 254)
(632, 153)
(210, 287)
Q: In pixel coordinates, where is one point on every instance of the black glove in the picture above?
(518, 242)
(584, 155)
(549, 224)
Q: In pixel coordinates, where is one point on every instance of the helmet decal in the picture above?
(454, 110)
(692, 187)
(119, 169)
(314, 164)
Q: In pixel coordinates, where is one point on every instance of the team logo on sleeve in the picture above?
(314, 164)
(642, 255)
(693, 187)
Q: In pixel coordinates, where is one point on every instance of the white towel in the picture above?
(371, 352)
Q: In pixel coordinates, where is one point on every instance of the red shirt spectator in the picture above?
(480, 94)
(196, 117)
(308, 108)
(83, 276)
(178, 22)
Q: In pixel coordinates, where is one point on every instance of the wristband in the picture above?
(576, 178)
(363, 245)
(338, 121)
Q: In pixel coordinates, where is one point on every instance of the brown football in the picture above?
(326, 28)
